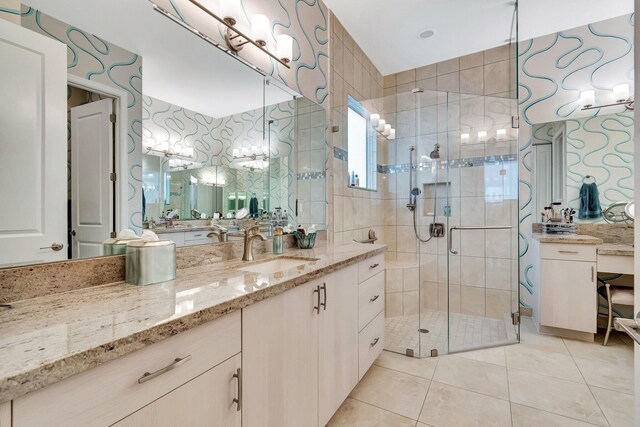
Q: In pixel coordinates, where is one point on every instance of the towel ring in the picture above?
(586, 177)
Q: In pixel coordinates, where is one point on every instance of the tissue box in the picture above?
(150, 262)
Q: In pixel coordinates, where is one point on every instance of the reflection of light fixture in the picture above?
(621, 96)
(482, 136)
(375, 118)
(392, 134)
(230, 13)
(501, 134)
(387, 130)
(284, 47)
(380, 127)
(254, 152)
(464, 138)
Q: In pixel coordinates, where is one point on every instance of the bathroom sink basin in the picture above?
(276, 265)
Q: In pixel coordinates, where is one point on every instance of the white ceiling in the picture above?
(200, 78)
(387, 31)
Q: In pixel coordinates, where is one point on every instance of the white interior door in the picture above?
(33, 147)
(92, 190)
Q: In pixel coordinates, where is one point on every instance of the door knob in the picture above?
(54, 247)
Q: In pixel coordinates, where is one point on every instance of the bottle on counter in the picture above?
(278, 244)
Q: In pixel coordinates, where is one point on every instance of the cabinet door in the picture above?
(338, 341)
(207, 400)
(568, 295)
(280, 360)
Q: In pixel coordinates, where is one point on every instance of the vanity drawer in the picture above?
(370, 299)
(370, 267)
(562, 251)
(103, 395)
(370, 344)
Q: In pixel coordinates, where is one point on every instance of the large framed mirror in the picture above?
(139, 132)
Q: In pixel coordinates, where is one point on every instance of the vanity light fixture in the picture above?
(482, 137)
(176, 151)
(381, 124)
(387, 130)
(253, 153)
(621, 96)
(375, 118)
(237, 39)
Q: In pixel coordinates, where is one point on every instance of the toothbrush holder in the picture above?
(305, 241)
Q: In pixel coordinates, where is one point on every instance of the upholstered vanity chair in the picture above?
(615, 295)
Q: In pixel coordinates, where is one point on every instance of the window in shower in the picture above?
(361, 146)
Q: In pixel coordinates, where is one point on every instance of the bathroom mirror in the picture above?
(150, 127)
(591, 150)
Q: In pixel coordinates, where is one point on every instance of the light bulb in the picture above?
(231, 11)
(245, 151)
(464, 138)
(375, 118)
(588, 98)
(236, 152)
(265, 149)
(285, 47)
(187, 151)
(260, 29)
(482, 136)
(387, 130)
(501, 134)
(381, 124)
(392, 134)
(621, 92)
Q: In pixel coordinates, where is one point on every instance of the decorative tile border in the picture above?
(311, 175)
(454, 164)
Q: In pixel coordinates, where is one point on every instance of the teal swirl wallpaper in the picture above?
(553, 70)
(92, 58)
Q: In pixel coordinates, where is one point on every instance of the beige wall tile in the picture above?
(447, 67)
(426, 72)
(500, 53)
(393, 304)
(473, 60)
(472, 81)
(449, 82)
(472, 300)
(496, 78)
(405, 77)
(389, 81)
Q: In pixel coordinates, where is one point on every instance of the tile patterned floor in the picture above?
(401, 332)
(543, 381)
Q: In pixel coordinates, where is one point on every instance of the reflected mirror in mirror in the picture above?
(192, 136)
(584, 154)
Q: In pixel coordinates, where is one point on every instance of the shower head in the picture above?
(435, 154)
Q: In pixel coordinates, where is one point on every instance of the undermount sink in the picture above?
(276, 265)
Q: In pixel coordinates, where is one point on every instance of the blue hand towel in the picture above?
(589, 202)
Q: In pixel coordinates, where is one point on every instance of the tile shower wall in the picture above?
(95, 59)
(352, 212)
(478, 177)
(554, 69)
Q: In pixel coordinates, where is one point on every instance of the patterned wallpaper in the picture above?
(95, 59)
(304, 20)
(554, 69)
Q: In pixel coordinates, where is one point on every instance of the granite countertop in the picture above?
(47, 339)
(615, 249)
(580, 239)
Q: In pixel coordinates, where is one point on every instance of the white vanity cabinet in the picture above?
(567, 298)
(196, 364)
(301, 354)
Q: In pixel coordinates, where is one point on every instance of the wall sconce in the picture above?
(501, 134)
(230, 13)
(482, 137)
(464, 138)
(621, 95)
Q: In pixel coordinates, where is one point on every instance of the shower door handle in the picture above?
(488, 227)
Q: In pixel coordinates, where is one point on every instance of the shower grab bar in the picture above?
(489, 227)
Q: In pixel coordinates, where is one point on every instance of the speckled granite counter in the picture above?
(579, 239)
(47, 339)
(615, 249)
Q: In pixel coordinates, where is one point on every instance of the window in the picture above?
(361, 146)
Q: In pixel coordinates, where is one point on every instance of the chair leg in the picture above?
(610, 317)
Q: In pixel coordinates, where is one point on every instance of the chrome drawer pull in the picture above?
(148, 376)
(375, 341)
(374, 266)
(317, 307)
(568, 252)
(238, 400)
(374, 298)
(323, 304)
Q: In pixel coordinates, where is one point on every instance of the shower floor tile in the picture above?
(466, 331)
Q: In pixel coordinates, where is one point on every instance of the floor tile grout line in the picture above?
(588, 387)
(508, 388)
(425, 397)
(470, 391)
(384, 409)
(558, 415)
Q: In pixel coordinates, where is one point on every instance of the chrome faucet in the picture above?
(220, 232)
(250, 234)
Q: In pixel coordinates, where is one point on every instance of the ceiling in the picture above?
(201, 78)
(388, 31)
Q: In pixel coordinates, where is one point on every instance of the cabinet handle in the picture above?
(374, 298)
(374, 342)
(593, 273)
(317, 307)
(374, 266)
(568, 252)
(324, 299)
(148, 376)
(238, 400)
